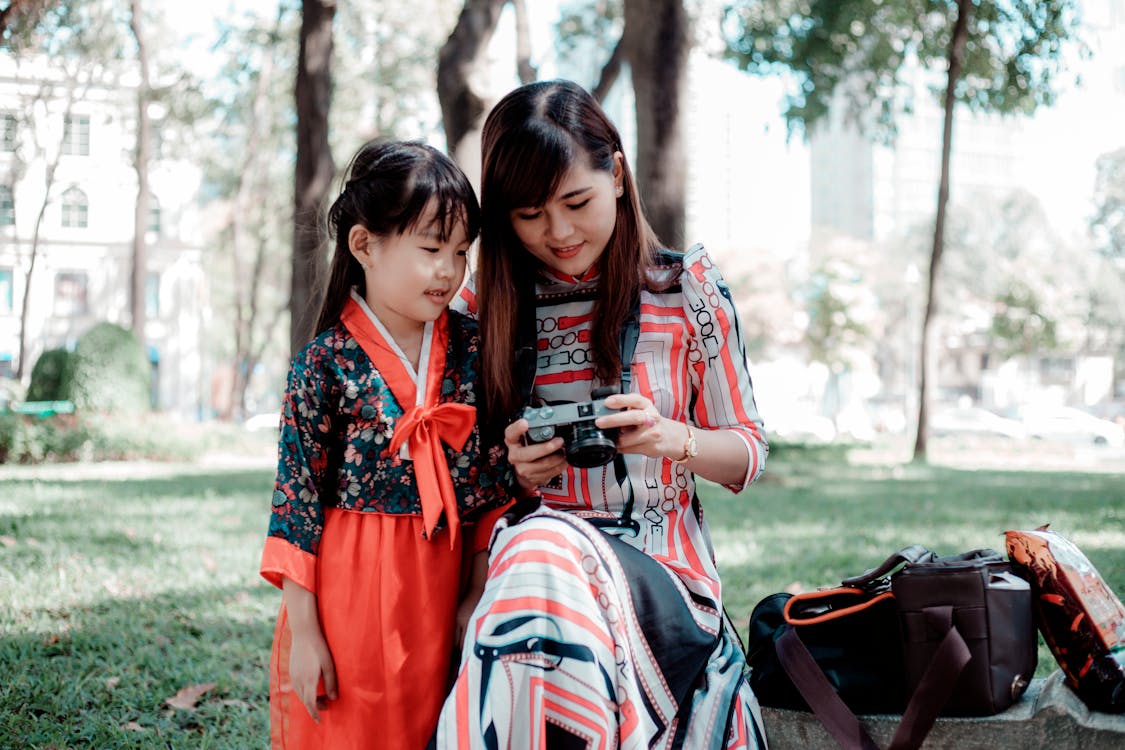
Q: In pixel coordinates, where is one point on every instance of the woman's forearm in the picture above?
(722, 456)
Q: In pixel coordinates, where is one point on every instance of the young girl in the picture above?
(601, 624)
(382, 491)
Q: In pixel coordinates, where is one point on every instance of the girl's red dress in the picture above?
(381, 540)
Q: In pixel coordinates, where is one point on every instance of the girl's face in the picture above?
(412, 276)
(571, 230)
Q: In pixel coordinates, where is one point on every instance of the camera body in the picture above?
(586, 444)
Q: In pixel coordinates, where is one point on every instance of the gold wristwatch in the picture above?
(691, 447)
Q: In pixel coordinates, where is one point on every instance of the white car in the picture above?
(973, 420)
(1065, 423)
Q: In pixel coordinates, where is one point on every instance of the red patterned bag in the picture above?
(1081, 619)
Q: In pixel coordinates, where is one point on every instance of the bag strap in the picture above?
(911, 555)
(937, 683)
(825, 703)
(932, 693)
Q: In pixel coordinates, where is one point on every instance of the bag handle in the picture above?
(817, 691)
(932, 693)
(821, 611)
(911, 555)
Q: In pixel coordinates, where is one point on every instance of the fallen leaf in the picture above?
(189, 696)
(51, 639)
(210, 564)
(133, 726)
(235, 703)
(111, 682)
(8, 541)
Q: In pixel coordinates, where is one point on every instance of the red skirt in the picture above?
(387, 600)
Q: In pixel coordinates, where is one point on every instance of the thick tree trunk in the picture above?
(462, 108)
(140, 163)
(956, 56)
(657, 41)
(315, 170)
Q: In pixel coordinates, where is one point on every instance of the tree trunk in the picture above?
(140, 163)
(956, 56)
(657, 41)
(314, 170)
(524, 69)
(611, 71)
(19, 7)
(462, 108)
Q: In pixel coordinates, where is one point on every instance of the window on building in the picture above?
(70, 293)
(76, 135)
(75, 209)
(152, 295)
(7, 207)
(8, 132)
(7, 299)
(153, 214)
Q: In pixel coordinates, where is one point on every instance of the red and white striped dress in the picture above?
(601, 623)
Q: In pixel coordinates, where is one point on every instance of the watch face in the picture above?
(692, 447)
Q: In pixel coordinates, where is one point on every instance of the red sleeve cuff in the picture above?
(482, 528)
(280, 559)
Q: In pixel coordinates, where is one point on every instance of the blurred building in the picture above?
(67, 193)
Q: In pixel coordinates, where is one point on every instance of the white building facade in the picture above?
(67, 198)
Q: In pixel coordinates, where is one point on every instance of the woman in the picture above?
(601, 624)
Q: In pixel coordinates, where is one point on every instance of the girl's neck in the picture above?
(406, 332)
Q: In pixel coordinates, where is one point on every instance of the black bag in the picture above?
(918, 635)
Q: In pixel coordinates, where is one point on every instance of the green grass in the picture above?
(114, 595)
(117, 594)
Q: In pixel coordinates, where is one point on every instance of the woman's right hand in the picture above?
(534, 464)
(309, 662)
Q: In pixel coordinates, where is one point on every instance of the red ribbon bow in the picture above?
(427, 428)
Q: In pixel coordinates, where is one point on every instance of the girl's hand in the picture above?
(534, 464)
(309, 662)
(641, 429)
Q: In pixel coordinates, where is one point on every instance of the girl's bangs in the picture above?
(432, 186)
(531, 164)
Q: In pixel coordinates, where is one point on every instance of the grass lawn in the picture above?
(115, 595)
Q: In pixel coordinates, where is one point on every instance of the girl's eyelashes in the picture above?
(528, 215)
(576, 206)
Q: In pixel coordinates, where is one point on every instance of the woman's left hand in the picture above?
(641, 429)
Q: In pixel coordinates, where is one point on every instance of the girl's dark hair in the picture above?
(531, 138)
(388, 187)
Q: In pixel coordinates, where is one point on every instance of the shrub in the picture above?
(47, 376)
(108, 372)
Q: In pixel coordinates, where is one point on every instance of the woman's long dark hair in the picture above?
(531, 138)
(388, 188)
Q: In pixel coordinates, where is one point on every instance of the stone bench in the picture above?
(1049, 715)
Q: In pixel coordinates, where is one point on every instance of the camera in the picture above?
(586, 444)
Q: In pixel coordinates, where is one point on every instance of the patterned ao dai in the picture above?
(589, 638)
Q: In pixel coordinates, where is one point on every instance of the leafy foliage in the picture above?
(108, 372)
(47, 376)
(1013, 55)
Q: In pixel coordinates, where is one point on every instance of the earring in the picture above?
(620, 191)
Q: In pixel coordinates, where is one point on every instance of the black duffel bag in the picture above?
(918, 635)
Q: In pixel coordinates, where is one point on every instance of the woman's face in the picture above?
(571, 230)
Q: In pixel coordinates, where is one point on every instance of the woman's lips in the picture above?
(567, 251)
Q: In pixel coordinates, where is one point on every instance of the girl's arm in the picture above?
(472, 595)
(310, 661)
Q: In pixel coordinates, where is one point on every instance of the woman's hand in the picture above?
(534, 464)
(309, 662)
(641, 429)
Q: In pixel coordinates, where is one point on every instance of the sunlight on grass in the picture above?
(119, 592)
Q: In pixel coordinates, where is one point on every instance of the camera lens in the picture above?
(589, 447)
